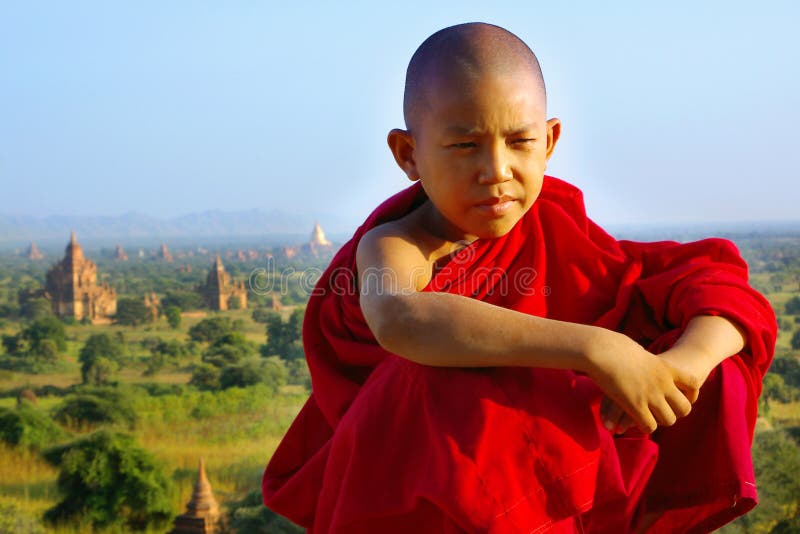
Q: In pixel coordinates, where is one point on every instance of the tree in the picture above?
(47, 328)
(211, 329)
(776, 460)
(96, 406)
(775, 388)
(271, 372)
(173, 315)
(109, 480)
(284, 339)
(796, 340)
(185, 300)
(97, 347)
(250, 515)
(132, 312)
(793, 306)
(28, 427)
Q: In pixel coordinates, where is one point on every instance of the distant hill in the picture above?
(18, 230)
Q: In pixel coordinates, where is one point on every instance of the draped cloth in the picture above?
(387, 445)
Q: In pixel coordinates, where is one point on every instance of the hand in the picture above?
(642, 385)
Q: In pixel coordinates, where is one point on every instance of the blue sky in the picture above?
(672, 112)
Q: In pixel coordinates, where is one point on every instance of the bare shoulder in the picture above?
(394, 251)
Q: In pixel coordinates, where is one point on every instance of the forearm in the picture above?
(706, 342)
(448, 330)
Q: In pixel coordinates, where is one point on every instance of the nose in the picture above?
(496, 165)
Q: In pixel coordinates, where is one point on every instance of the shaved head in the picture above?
(462, 54)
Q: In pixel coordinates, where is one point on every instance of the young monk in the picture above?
(480, 347)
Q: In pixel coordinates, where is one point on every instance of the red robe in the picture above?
(386, 445)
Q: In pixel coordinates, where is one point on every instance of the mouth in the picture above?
(496, 206)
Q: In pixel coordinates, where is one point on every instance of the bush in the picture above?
(796, 340)
(132, 312)
(99, 358)
(173, 315)
(183, 300)
(211, 329)
(96, 407)
(109, 480)
(205, 377)
(793, 306)
(28, 427)
(284, 339)
(250, 515)
(776, 459)
(14, 519)
(254, 371)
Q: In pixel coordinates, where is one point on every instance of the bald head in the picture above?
(462, 54)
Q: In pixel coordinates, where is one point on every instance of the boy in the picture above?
(460, 344)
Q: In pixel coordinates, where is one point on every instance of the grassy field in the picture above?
(235, 431)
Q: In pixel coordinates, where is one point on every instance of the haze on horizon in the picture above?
(673, 113)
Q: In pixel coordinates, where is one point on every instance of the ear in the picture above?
(402, 145)
(553, 133)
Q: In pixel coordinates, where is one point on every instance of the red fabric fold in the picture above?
(387, 445)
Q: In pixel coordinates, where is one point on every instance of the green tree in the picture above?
(28, 427)
(132, 312)
(185, 300)
(284, 339)
(173, 315)
(47, 328)
(793, 306)
(96, 406)
(250, 515)
(776, 459)
(228, 349)
(775, 388)
(211, 329)
(796, 340)
(97, 347)
(205, 377)
(109, 480)
(270, 371)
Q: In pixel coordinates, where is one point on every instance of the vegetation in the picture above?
(107, 479)
(225, 386)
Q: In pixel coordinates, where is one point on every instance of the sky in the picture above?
(672, 112)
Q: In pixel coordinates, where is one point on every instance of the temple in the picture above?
(222, 293)
(202, 514)
(33, 252)
(71, 285)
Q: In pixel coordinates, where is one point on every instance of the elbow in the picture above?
(390, 323)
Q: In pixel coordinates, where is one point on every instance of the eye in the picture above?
(466, 144)
(523, 141)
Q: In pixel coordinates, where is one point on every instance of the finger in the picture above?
(663, 413)
(680, 405)
(625, 423)
(644, 421)
(687, 383)
(612, 417)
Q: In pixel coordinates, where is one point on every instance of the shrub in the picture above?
(250, 515)
(28, 427)
(211, 329)
(254, 371)
(132, 312)
(96, 358)
(205, 377)
(15, 519)
(793, 306)
(95, 407)
(173, 315)
(109, 480)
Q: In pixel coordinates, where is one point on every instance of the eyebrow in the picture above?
(461, 130)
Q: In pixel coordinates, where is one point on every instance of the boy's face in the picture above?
(480, 150)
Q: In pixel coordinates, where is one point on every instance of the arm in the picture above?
(451, 330)
(706, 341)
